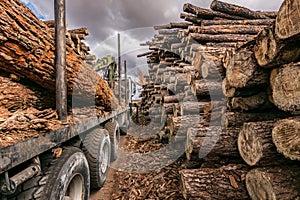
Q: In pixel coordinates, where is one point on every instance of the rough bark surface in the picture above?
(28, 51)
(208, 183)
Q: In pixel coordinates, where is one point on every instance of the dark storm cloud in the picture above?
(133, 18)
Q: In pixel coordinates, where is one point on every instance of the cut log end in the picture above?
(286, 136)
(286, 89)
(259, 186)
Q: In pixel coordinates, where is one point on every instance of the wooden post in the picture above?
(60, 59)
(119, 68)
(126, 82)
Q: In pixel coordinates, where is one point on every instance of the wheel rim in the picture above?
(104, 158)
(75, 189)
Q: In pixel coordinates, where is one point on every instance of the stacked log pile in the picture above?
(251, 56)
(28, 74)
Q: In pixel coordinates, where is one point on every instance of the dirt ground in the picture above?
(133, 176)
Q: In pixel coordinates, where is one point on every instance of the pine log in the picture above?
(226, 182)
(182, 25)
(194, 108)
(190, 18)
(273, 183)
(242, 70)
(259, 101)
(236, 119)
(230, 91)
(207, 88)
(286, 88)
(236, 10)
(287, 22)
(254, 22)
(180, 125)
(206, 13)
(255, 144)
(286, 136)
(226, 29)
(209, 142)
(220, 38)
(271, 52)
(30, 54)
(181, 79)
(173, 99)
(16, 94)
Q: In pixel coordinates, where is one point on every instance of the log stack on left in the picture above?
(27, 61)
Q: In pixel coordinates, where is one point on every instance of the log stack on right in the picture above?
(263, 79)
(256, 55)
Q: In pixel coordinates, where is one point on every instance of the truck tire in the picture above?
(126, 123)
(97, 149)
(114, 134)
(66, 177)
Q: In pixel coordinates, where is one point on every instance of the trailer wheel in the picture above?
(66, 178)
(97, 149)
(114, 134)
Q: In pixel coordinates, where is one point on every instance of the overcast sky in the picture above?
(134, 19)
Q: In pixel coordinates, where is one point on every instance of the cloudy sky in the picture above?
(134, 19)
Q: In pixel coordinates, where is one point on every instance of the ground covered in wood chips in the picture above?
(139, 172)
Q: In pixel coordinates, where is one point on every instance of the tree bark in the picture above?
(242, 70)
(202, 38)
(173, 99)
(30, 54)
(259, 102)
(255, 144)
(254, 22)
(286, 88)
(227, 29)
(190, 18)
(209, 142)
(207, 88)
(286, 136)
(182, 25)
(180, 125)
(273, 183)
(194, 108)
(230, 91)
(287, 22)
(209, 183)
(271, 52)
(206, 13)
(236, 119)
(236, 10)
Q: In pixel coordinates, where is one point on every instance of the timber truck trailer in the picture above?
(63, 164)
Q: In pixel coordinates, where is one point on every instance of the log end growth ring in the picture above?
(249, 147)
(259, 186)
(286, 136)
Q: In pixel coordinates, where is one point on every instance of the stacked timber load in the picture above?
(27, 80)
(248, 55)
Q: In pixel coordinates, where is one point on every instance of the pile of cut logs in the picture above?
(27, 80)
(226, 82)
